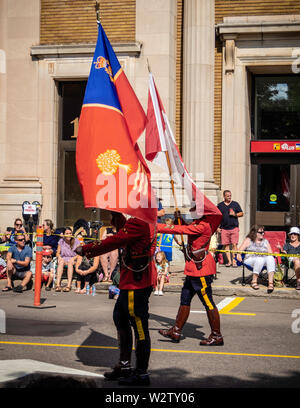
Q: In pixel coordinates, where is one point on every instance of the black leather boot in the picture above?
(174, 333)
(140, 375)
(215, 338)
(123, 368)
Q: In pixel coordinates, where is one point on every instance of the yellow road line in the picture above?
(239, 314)
(234, 303)
(58, 345)
(225, 353)
(160, 350)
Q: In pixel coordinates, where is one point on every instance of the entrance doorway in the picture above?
(275, 196)
(70, 205)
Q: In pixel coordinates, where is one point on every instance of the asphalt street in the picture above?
(262, 338)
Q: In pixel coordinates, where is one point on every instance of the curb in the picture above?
(223, 290)
(53, 381)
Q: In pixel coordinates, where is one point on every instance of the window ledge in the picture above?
(82, 50)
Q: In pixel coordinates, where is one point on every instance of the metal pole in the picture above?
(38, 265)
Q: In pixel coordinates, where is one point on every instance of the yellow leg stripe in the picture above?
(138, 321)
(203, 292)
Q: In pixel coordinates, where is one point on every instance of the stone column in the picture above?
(156, 30)
(198, 93)
(19, 179)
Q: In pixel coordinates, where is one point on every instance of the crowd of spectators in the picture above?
(60, 259)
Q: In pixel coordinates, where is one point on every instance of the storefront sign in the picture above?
(275, 146)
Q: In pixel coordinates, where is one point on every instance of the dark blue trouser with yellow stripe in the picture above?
(132, 310)
(198, 285)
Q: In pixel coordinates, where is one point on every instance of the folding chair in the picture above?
(287, 264)
(244, 280)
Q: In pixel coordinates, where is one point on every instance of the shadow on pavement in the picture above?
(172, 377)
(30, 327)
(98, 357)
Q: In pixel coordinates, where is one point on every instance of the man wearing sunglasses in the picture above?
(18, 260)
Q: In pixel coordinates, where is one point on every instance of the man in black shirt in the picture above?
(229, 227)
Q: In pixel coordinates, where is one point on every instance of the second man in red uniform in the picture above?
(199, 270)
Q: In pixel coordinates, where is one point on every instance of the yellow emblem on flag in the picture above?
(104, 63)
(276, 146)
(109, 162)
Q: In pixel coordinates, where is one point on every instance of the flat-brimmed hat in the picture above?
(294, 230)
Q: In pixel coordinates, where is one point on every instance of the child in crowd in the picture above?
(3, 267)
(6, 241)
(86, 271)
(163, 274)
(47, 269)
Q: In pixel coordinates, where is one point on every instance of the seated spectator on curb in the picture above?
(50, 240)
(66, 256)
(18, 264)
(3, 266)
(18, 229)
(47, 269)
(293, 247)
(86, 272)
(6, 238)
(255, 242)
(110, 259)
(162, 267)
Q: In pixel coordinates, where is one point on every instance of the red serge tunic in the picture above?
(139, 237)
(199, 234)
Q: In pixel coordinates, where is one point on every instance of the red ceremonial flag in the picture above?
(110, 167)
(161, 149)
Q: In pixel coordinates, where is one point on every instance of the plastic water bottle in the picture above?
(93, 290)
(88, 289)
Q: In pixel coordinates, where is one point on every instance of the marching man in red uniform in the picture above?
(137, 279)
(199, 270)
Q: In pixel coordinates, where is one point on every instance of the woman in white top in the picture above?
(255, 242)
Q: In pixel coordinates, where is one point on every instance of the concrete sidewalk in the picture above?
(228, 282)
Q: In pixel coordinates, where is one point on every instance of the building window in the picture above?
(277, 107)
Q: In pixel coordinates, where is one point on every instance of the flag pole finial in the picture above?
(97, 8)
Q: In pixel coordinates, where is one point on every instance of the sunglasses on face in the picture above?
(18, 225)
(20, 240)
(46, 256)
(261, 232)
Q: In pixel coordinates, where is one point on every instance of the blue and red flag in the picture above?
(110, 167)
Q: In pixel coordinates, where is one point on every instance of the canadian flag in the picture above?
(161, 149)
